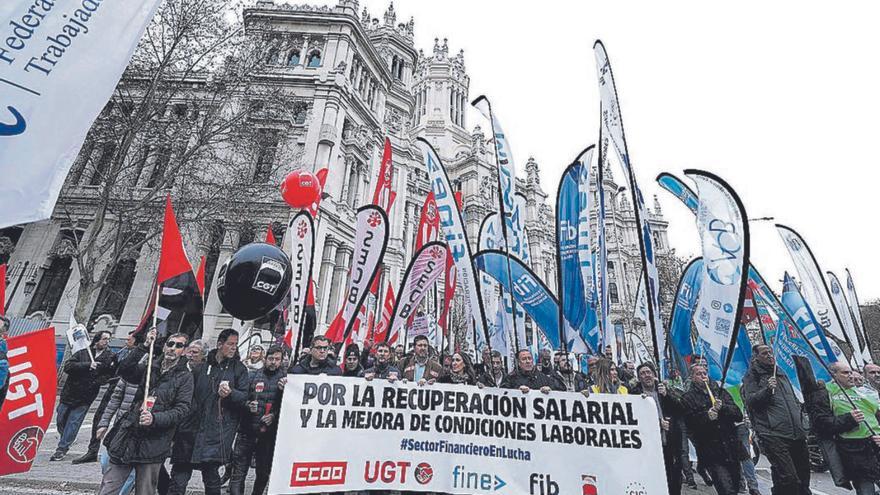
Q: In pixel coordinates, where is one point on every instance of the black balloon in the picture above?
(254, 281)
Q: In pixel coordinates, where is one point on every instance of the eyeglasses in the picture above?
(179, 345)
(321, 348)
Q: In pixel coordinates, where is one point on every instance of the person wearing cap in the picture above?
(351, 364)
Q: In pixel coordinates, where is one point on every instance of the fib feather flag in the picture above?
(452, 225)
(798, 313)
(423, 271)
(301, 232)
(528, 291)
(680, 343)
(611, 135)
(724, 234)
(574, 259)
(813, 286)
(838, 299)
(853, 300)
(27, 411)
(370, 241)
(179, 307)
(787, 342)
(37, 148)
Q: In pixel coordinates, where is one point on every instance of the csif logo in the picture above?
(635, 488)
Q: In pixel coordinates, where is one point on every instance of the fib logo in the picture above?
(386, 472)
(542, 484)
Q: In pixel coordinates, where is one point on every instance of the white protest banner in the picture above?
(59, 64)
(357, 435)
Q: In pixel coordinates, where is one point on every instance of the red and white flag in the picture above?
(382, 195)
(429, 222)
(387, 308)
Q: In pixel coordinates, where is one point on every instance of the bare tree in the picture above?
(189, 118)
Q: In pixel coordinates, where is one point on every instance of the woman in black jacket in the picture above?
(461, 371)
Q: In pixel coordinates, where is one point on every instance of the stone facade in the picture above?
(359, 80)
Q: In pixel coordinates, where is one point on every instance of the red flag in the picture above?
(382, 194)
(336, 329)
(3, 289)
(387, 308)
(180, 304)
(200, 277)
(322, 179)
(27, 411)
(429, 222)
(270, 236)
(448, 291)
(749, 311)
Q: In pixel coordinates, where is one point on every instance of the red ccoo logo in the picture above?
(318, 473)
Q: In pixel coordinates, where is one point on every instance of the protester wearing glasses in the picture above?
(219, 396)
(141, 439)
(317, 362)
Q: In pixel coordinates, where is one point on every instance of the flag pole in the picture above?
(152, 346)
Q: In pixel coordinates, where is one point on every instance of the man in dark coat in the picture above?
(258, 427)
(419, 367)
(141, 439)
(382, 369)
(494, 371)
(669, 413)
(857, 425)
(84, 380)
(711, 416)
(571, 379)
(219, 396)
(777, 420)
(317, 361)
(526, 377)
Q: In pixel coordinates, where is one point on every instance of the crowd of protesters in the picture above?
(213, 411)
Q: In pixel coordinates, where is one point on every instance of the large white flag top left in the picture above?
(59, 64)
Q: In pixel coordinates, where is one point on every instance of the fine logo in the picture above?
(23, 446)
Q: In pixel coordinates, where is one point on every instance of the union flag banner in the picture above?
(30, 400)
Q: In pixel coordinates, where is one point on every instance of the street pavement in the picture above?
(62, 477)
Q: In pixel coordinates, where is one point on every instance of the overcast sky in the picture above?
(779, 98)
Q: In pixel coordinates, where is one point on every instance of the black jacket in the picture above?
(382, 371)
(573, 381)
(772, 413)
(716, 440)
(218, 418)
(263, 388)
(83, 383)
(185, 436)
(534, 379)
(132, 443)
(672, 408)
(304, 367)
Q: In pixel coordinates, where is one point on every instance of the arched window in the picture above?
(8, 240)
(272, 57)
(293, 58)
(114, 293)
(612, 293)
(315, 58)
(55, 276)
(610, 269)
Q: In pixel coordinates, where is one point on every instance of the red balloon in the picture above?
(300, 188)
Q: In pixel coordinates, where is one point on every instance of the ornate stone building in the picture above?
(357, 79)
